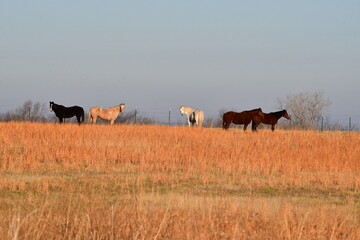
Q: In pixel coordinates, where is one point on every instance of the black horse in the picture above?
(243, 117)
(67, 112)
(269, 118)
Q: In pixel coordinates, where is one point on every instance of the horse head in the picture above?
(51, 105)
(122, 107)
(286, 115)
(181, 108)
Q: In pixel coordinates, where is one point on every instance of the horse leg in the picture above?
(60, 119)
(78, 119)
(82, 117)
(273, 127)
(226, 125)
(245, 126)
(94, 120)
(196, 121)
(254, 126)
(112, 121)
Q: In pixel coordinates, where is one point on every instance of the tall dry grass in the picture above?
(158, 182)
(177, 217)
(174, 154)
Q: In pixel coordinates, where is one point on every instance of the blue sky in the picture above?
(156, 55)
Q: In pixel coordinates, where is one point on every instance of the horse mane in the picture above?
(278, 113)
(53, 103)
(182, 106)
(253, 111)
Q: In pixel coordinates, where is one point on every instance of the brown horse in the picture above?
(243, 117)
(269, 118)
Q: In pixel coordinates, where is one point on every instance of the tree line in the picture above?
(306, 110)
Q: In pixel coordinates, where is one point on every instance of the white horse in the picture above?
(110, 113)
(193, 115)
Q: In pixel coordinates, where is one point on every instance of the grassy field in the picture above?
(159, 182)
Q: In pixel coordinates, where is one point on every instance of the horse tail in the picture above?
(226, 121)
(82, 115)
(200, 118)
(90, 117)
(223, 122)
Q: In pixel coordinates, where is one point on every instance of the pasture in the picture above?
(159, 182)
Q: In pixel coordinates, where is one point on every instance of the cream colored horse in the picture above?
(110, 113)
(193, 115)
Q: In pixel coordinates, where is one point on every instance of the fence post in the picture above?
(29, 114)
(349, 123)
(322, 122)
(169, 115)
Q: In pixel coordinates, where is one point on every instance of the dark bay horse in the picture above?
(67, 112)
(269, 118)
(244, 117)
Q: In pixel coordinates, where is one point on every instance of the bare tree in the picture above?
(209, 122)
(306, 109)
(28, 111)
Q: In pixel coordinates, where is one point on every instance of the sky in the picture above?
(157, 55)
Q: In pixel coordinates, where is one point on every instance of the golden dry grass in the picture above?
(158, 182)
